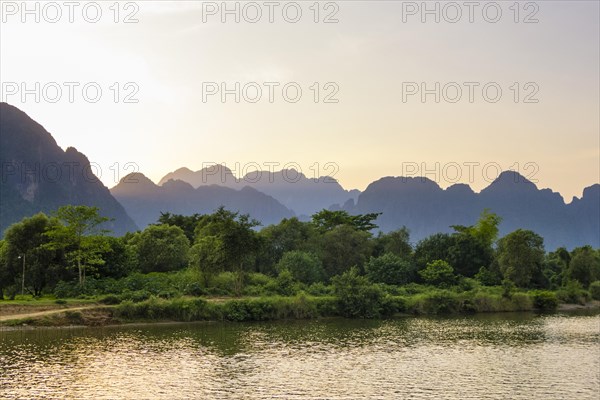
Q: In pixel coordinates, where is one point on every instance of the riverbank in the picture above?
(188, 309)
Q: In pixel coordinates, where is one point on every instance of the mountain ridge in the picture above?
(39, 176)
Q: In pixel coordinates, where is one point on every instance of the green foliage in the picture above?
(520, 256)
(206, 256)
(79, 235)
(110, 299)
(545, 300)
(439, 273)
(289, 235)
(390, 269)
(304, 267)
(356, 296)
(326, 220)
(396, 242)
(595, 290)
(572, 293)
(488, 276)
(434, 247)
(285, 283)
(508, 288)
(472, 246)
(436, 302)
(187, 223)
(238, 243)
(343, 247)
(584, 266)
(161, 248)
(27, 255)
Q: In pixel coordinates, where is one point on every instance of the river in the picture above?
(492, 356)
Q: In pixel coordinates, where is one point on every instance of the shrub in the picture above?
(391, 305)
(137, 296)
(572, 293)
(110, 299)
(438, 273)
(319, 289)
(60, 301)
(389, 269)
(595, 290)
(545, 300)
(194, 289)
(225, 283)
(235, 310)
(440, 302)
(285, 283)
(356, 296)
(304, 267)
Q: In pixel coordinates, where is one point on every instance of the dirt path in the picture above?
(48, 312)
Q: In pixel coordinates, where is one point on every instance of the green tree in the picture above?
(161, 248)
(356, 296)
(240, 243)
(207, 257)
(27, 253)
(520, 256)
(555, 267)
(584, 265)
(304, 267)
(186, 222)
(326, 220)
(390, 269)
(79, 236)
(290, 234)
(434, 247)
(438, 273)
(472, 247)
(119, 258)
(396, 242)
(342, 247)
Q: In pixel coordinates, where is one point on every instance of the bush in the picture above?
(319, 289)
(224, 283)
(545, 301)
(304, 267)
(110, 299)
(389, 269)
(392, 305)
(60, 301)
(572, 293)
(440, 302)
(356, 296)
(595, 290)
(438, 273)
(137, 296)
(521, 302)
(285, 283)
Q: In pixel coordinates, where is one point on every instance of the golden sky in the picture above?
(376, 60)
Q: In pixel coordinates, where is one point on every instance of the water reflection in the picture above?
(484, 357)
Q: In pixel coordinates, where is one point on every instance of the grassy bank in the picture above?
(301, 306)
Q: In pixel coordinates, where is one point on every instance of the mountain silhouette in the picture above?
(425, 208)
(305, 196)
(37, 175)
(144, 200)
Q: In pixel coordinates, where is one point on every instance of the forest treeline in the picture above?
(67, 254)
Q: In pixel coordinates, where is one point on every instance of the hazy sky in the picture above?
(375, 57)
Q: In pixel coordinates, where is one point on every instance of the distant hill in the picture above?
(144, 200)
(37, 175)
(303, 195)
(425, 208)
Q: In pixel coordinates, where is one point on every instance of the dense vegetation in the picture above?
(332, 265)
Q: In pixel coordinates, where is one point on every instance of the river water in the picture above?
(496, 356)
